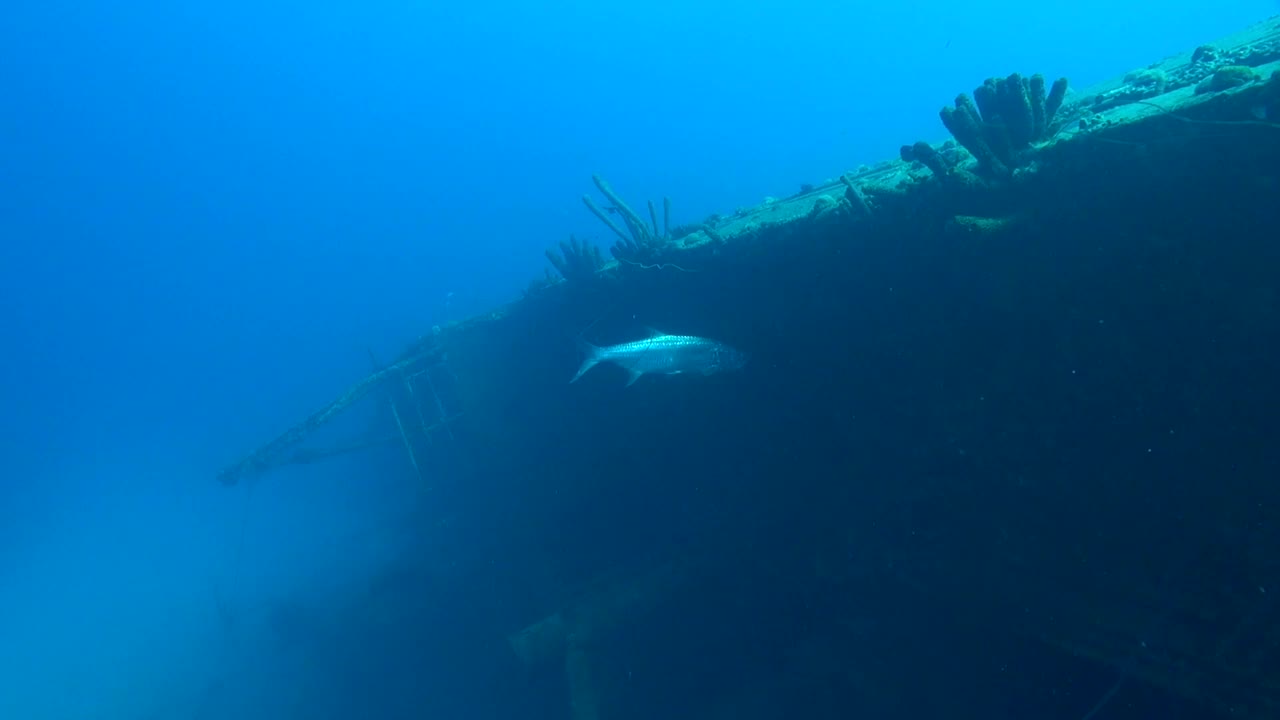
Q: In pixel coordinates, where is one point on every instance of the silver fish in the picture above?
(663, 354)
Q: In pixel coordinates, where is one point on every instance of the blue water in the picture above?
(211, 212)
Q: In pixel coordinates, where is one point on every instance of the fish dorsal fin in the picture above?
(653, 332)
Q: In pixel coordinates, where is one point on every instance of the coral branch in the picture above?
(638, 231)
(595, 210)
(1005, 118)
(577, 261)
(641, 241)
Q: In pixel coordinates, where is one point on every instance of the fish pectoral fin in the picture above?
(632, 377)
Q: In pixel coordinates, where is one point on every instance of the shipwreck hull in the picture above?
(1038, 412)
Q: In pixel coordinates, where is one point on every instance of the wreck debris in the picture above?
(279, 451)
(981, 225)
(1209, 59)
(856, 198)
(584, 694)
(1138, 85)
(577, 635)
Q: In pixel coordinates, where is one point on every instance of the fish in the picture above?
(663, 354)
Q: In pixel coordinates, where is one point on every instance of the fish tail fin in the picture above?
(591, 357)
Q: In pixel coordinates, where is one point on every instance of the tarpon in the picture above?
(662, 354)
